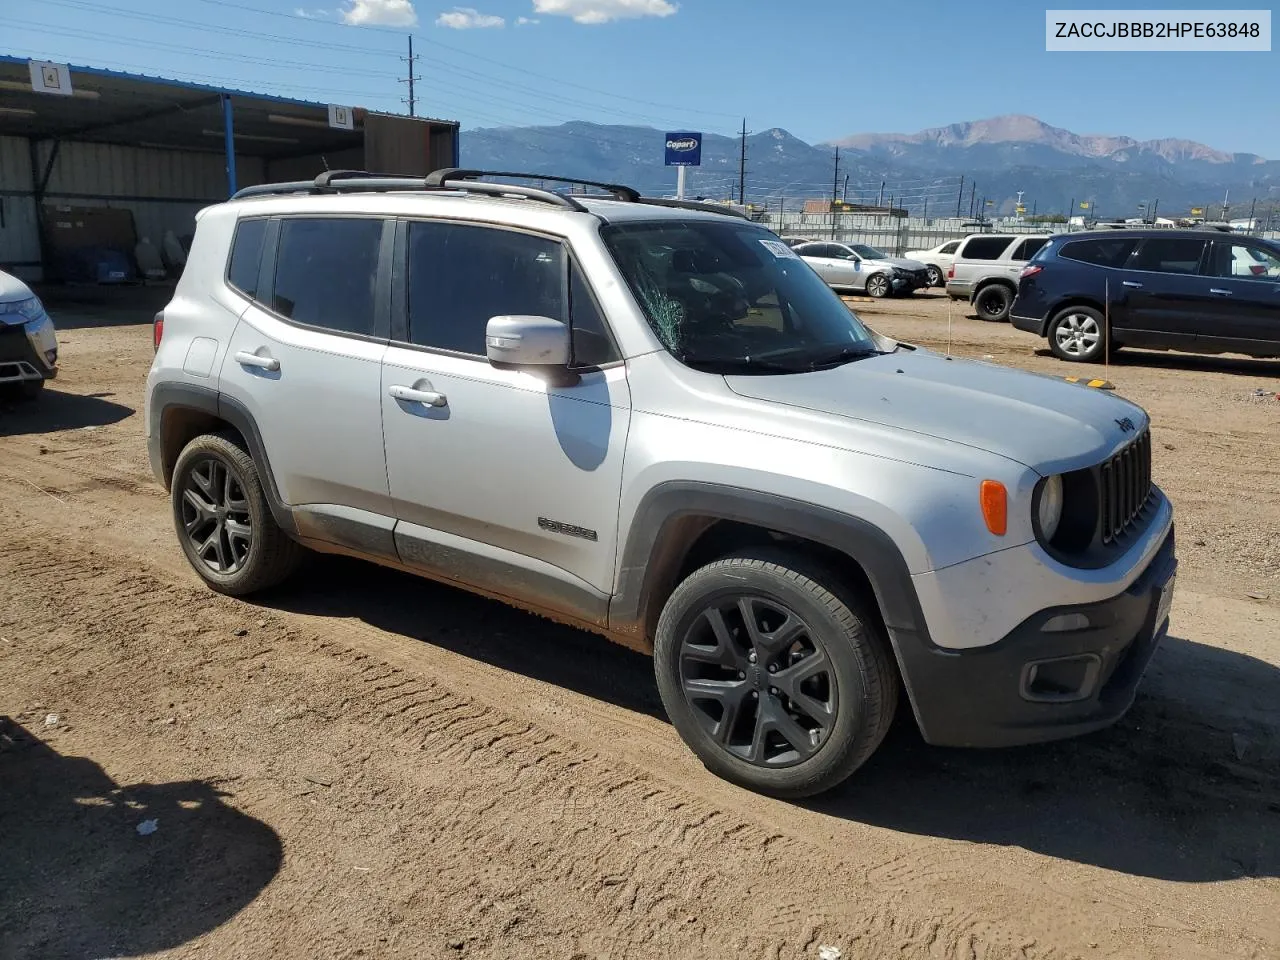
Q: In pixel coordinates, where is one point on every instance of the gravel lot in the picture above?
(365, 764)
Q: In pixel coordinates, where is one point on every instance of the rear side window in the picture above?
(949, 247)
(460, 276)
(1169, 255)
(246, 256)
(1029, 248)
(1102, 253)
(984, 248)
(326, 273)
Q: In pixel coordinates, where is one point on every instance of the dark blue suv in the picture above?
(1192, 290)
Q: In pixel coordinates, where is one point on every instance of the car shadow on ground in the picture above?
(1198, 363)
(77, 879)
(1186, 787)
(80, 306)
(55, 410)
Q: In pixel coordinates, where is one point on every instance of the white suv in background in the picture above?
(652, 420)
(986, 267)
(938, 260)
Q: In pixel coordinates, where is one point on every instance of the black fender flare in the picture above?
(167, 398)
(655, 546)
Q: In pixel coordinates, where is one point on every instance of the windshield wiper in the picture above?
(742, 364)
(844, 355)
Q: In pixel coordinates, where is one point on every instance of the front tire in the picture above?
(223, 521)
(775, 676)
(878, 286)
(1076, 333)
(992, 303)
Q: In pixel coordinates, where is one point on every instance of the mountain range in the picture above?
(997, 158)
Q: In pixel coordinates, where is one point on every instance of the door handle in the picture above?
(411, 395)
(1219, 292)
(247, 359)
(1133, 284)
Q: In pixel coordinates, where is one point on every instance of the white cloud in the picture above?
(527, 22)
(316, 14)
(468, 18)
(603, 11)
(385, 13)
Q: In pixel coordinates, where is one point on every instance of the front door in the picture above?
(305, 361)
(502, 478)
(1244, 281)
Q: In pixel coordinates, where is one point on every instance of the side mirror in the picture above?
(527, 341)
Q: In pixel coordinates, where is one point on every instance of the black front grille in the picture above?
(1124, 483)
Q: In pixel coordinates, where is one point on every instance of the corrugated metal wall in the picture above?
(163, 188)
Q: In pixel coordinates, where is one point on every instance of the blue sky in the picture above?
(819, 68)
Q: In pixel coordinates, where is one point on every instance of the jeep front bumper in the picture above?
(28, 351)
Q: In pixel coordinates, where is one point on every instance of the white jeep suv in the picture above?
(652, 420)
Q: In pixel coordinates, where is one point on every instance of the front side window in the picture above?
(1169, 255)
(1244, 261)
(461, 275)
(732, 297)
(327, 271)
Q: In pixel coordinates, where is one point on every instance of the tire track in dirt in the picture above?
(624, 853)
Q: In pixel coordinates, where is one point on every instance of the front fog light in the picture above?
(1049, 507)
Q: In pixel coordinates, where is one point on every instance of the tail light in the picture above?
(157, 329)
(1258, 269)
(1030, 271)
(951, 272)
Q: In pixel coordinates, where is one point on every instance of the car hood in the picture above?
(12, 289)
(900, 262)
(1039, 421)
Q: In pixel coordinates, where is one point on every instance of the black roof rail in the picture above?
(616, 190)
(458, 179)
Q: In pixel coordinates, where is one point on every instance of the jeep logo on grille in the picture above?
(682, 146)
(1126, 425)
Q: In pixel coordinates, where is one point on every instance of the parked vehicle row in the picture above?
(1192, 290)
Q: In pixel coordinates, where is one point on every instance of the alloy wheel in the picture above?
(877, 286)
(215, 516)
(935, 277)
(1077, 334)
(758, 681)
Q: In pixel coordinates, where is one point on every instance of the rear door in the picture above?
(1167, 296)
(832, 263)
(305, 360)
(1244, 286)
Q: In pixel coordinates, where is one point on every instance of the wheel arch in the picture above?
(986, 282)
(180, 412)
(681, 525)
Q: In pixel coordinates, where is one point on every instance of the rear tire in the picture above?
(223, 520)
(806, 683)
(935, 276)
(992, 303)
(1076, 333)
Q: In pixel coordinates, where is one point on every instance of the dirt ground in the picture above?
(368, 765)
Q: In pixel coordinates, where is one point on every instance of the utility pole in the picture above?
(835, 179)
(1225, 197)
(973, 189)
(960, 198)
(1155, 205)
(1252, 206)
(880, 202)
(412, 61)
(925, 216)
(742, 165)
(845, 195)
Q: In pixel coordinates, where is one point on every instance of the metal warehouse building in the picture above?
(94, 161)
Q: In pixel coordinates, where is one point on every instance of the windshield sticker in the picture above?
(779, 249)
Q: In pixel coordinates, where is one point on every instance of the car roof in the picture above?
(1142, 232)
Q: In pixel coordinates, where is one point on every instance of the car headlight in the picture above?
(1048, 507)
(29, 309)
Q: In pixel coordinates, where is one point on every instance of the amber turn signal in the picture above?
(995, 506)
